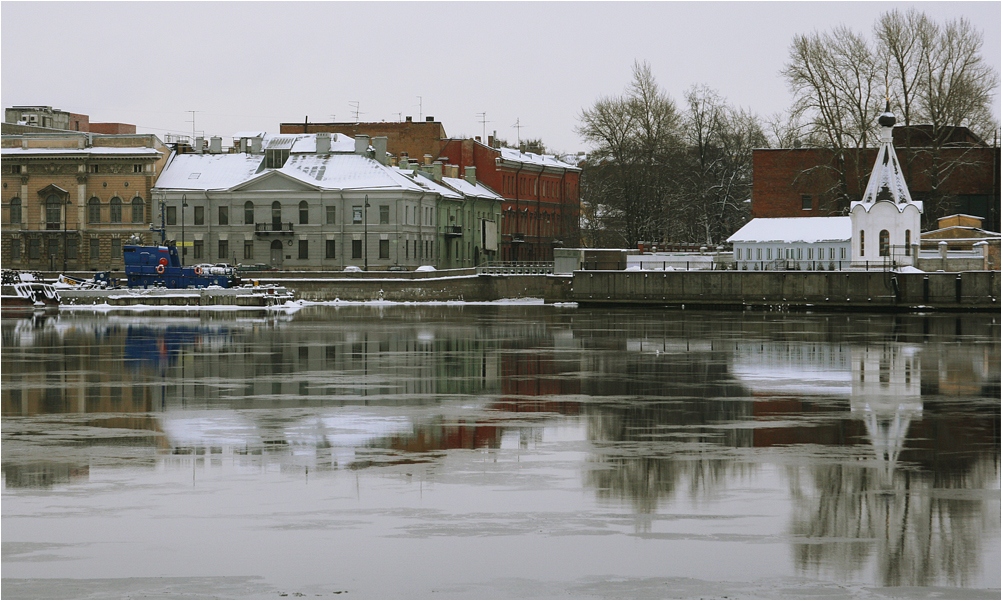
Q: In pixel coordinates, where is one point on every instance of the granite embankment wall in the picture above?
(447, 288)
(970, 290)
(874, 290)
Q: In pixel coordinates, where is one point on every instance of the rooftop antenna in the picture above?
(483, 123)
(518, 132)
(354, 104)
(333, 119)
(420, 104)
(193, 124)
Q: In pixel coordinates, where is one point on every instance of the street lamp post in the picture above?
(184, 204)
(66, 217)
(365, 234)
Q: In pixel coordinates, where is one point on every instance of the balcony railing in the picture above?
(452, 231)
(518, 237)
(275, 227)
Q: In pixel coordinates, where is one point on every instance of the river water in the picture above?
(501, 451)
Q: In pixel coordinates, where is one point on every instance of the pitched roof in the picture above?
(789, 230)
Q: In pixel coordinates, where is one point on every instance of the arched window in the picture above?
(908, 243)
(94, 210)
(248, 213)
(15, 210)
(304, 213)
(53, 212)
(276, 216)
(138, 210)
(885, 243)
(116, 210)
(862, 243)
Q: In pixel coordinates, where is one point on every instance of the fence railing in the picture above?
(516, 268)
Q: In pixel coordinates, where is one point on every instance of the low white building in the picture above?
(804, 243)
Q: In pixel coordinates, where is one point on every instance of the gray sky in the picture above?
(253, 65)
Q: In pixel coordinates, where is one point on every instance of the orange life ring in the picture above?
(160, 269)
(163, 261)
(198, 270)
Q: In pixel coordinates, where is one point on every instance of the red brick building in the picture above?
(412, 138)
(805, 182)
(541, 205)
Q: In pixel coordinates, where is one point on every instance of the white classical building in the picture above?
(886, 223)
(804, 243)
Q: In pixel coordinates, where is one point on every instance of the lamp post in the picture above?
(184, 250)
(66, 217)
(365, 234)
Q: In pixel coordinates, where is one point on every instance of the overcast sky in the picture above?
(252, 65)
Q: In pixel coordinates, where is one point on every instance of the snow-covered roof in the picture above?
(76, 152)
(347, 172)
(795, 229)
(542, 160)
(208, 171)
(429, 184)
(477, 190)
(249, 134)
(307, 143)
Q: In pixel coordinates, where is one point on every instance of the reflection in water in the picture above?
(883, 425)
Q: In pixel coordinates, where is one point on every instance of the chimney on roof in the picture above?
(477, 138)
(379, 146)
(323, 143)
(410, 119)
(256, 145)
(429, 119)
(471, 175)
(490, 141)
(215, 145)
(361, 144)
(427, 159)
(199, 144)
(436, 170)
(404, 162)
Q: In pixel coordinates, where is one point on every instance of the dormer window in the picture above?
(275, 158)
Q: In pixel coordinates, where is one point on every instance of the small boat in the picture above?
(25, 293)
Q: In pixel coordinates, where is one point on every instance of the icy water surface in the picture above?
(501, 452)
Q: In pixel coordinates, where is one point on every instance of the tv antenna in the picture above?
(420, 104)
(354, 105)
(483, 124)
(518, 131)
(193, 124)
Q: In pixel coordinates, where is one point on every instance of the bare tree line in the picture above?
(664, 172)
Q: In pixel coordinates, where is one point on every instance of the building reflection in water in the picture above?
(900, 414)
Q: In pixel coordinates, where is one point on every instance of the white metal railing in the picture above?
(516, 268)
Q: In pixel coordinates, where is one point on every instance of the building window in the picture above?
(196, 250)
(908, 243)
(93, 169)
(810, 253)
(862, 243)
(248, 249)
(806, 202)
(768, 254)
(331, 250)
(356, 214)
(53, 212)
(15, 210)
(384, 214)
(331, 213)
(758, 254)
(831, 252)
(248, 213)
(304, 249)
(224, 215)
(95, 249)
(356, 249)
(71, 248)
(841, 253)
(276, 216)
(94, 210)
(138, 210)
(116, 248)
(34, 248)
(800, 253)
(199, 215)
(15, 249)
(304, 213)
(885, 243)
(15, 169)
(137, 168)
(384, 249)
(224, 250)
(737, 254)
(171, 215)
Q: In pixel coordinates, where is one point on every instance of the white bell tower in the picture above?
(886, 223)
